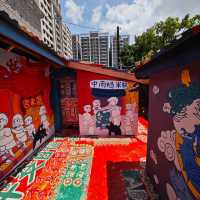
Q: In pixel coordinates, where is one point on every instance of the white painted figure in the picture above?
(7, 141)
(18, 129)
(43, 118)
(88, 124)
(115, 111)
(129, 119)
(29, 126)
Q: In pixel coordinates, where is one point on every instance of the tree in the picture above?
(156, 37)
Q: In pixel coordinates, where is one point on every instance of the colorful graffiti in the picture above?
(113, 110)
(26, 118)
(60, 171)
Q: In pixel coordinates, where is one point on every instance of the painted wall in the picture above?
(173, 159)
(26, 118)
(106, 105)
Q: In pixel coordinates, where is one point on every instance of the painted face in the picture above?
(188, 118)
(87, 108)
(42, 110)
(17, 121)
(113, 101)
(96, 103)
(3, 120)
(28, 120)
(43, 118)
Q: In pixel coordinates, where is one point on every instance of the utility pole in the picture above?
(118, 48)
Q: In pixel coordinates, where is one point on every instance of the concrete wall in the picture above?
(28, 10)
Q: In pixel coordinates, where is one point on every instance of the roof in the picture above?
(99, 69)
(179, 52)
(13, 34)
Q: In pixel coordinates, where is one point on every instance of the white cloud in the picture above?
(96, 15)
(136, 17)
(73, 11)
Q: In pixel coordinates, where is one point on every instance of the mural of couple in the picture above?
(109, 115)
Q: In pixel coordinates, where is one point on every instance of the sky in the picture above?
(132, 16)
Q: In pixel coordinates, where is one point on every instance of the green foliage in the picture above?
(156, 37)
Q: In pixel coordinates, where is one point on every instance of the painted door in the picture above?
(69, 102)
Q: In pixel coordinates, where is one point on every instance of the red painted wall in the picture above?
(85, 97)
(25, 109)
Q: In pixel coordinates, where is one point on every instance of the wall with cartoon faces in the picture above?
(173, 159)
(107, 106)
(26, 118)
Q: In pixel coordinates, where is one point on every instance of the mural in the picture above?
(177, 145)
(26, 118)
(111, 110)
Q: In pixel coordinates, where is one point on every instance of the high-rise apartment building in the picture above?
(55, 33)
(123, 39)
(98, 47)
(93, 47)
(76, 47)
(43, 19)
(67, 42)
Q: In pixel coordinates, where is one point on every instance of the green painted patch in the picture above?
(30, 171)
(75, 178)
(10, 192)
(52, 145)
(43, 155)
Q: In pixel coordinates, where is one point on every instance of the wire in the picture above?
(81, 26)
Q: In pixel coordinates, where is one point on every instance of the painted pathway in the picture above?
(77, 169)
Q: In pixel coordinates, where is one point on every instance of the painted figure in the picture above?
(29, 126)
(18, 129)
(130, 119)
(184, 106)
(114, 129)
(43, 118)
(41, 133)
(115, 111)
(96, 106)
(7, 141)
(88, 123)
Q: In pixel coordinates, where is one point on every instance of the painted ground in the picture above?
(80, 169)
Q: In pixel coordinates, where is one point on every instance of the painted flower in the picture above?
(167, 108)
(156, 89)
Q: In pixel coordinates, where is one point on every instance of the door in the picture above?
(69, 102)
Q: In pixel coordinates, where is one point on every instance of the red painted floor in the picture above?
(110, 157)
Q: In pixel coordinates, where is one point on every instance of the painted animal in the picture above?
(40, 134)
(114, 129)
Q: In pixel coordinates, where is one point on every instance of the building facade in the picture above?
(124, 39)
(54, 32)
(43, 19)
(97, 47)
(92, 47)
(76, 47)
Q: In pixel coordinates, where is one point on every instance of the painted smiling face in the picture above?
(3, 120)
(17, 121)
(28, 120)
(96, 104)
(87, 108)
(42, 110)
